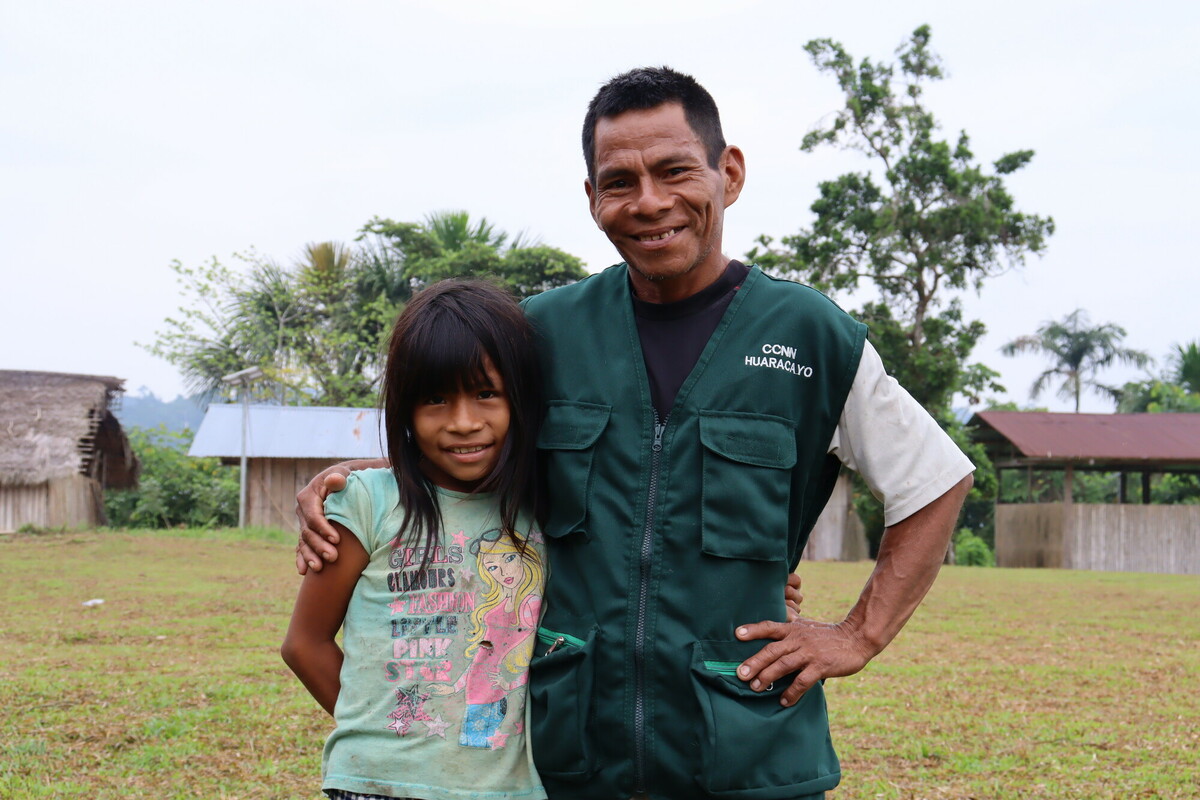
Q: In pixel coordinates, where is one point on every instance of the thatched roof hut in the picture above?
(60, 446)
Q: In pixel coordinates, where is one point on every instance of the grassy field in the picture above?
(1006, 684)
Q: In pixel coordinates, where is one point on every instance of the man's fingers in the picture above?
(804, 681)
(762, 630)
(334, 482)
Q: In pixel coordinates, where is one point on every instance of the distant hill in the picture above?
(147, 410)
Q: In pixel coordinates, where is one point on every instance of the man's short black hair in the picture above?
(649, 87)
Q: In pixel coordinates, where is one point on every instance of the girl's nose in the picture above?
(464, 417)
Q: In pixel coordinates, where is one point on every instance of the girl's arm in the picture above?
(310, 648)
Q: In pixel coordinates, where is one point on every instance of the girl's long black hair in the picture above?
(438, 346)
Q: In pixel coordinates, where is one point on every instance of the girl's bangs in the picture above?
(444, 358)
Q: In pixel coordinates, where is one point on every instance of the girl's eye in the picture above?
(435, 400)
(488, 394)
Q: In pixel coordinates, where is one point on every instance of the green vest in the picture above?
(662, 538)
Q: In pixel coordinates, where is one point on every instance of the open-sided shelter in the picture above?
(285, 447)
(1130, 535)
(60, 448)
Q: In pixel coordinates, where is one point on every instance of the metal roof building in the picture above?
(285, 447)
(1114, 442)
(289, 432)
(1111, 536)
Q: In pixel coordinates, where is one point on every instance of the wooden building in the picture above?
(285, 447)
(1130, 535)
(60, 448)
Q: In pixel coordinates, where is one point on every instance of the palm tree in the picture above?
(1184, 363)
(1078, 351)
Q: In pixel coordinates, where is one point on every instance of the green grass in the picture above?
(1006, 684)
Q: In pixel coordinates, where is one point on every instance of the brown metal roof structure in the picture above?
(1155, 442)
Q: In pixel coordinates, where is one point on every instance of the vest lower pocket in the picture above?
(752, 748)
(747, 479)
(560, 699)
(567, 442)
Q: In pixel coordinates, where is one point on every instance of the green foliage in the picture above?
(318, 328)
(1176, 389)
(174, 488)
(1077, 351)
(930, 222)
(448, 245)
(972, 551)
(314, 328)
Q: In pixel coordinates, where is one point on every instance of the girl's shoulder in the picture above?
(367, 505)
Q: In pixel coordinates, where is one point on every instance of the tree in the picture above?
(317, 329)
(937, 224)
(174, 489)
(314, 329)
(448, 245)
(1176, 389)
(1078, 350)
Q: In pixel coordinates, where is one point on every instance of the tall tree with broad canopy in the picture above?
(921, 224)
(925, 223)
(1077, 351)
(318, 328)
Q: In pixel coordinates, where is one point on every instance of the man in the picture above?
(697, 410)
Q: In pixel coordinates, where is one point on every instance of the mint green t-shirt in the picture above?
(432, 701)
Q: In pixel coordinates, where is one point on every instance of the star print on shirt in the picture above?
(397, 606)
(465, 575)
(460, 538)
(410, 709)
(497, 740)
(437, 727)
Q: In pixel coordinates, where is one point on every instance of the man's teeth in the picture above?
(465, 450)
(658, 236)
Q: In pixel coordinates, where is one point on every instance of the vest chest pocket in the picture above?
(747, 476)
(567, 442)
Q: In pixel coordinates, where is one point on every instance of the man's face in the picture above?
(660, 203)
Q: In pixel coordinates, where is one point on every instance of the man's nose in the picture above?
(652, 198)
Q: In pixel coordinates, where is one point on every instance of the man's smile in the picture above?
(656, 237)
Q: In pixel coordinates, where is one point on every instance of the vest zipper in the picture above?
(639, 642)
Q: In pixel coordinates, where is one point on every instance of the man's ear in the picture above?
(591, 195)
(733, 168)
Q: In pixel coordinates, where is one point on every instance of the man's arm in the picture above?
(318, 538)
(910, 556)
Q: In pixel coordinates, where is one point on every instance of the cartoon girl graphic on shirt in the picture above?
(500, 642)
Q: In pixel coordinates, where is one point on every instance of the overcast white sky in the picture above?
(134, 133)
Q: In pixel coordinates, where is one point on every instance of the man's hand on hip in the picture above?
(815, 650)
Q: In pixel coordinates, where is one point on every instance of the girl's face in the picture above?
(461, 433)
(505, 568)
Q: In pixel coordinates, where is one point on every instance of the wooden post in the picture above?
(1145, 487)
(1068, 480)
(1121, 493)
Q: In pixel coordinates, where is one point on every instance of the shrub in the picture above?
(972, 551)
(174, 488)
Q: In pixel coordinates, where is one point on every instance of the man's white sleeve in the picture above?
(885, 435)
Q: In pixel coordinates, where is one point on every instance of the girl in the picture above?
(440, 570)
